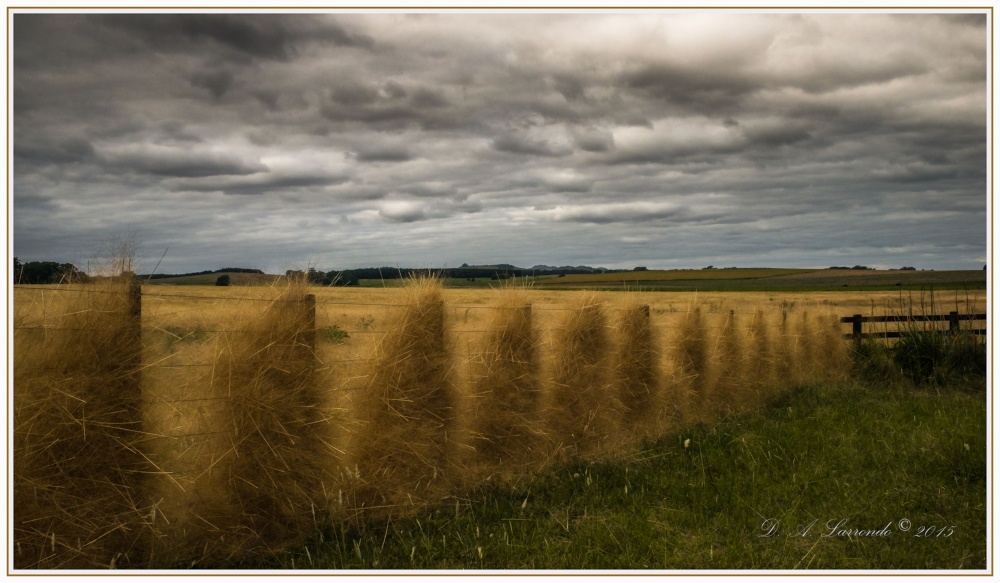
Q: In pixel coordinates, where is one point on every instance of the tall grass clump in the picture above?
(834, 352)
(786, 358)
(933, 357)
(761, 359)
(273, 468)
(729, 395)
(79, 471)
(506, 391)
(584, 409)
(400, 457)
(808, 363)
(636, 369)
(693, 356)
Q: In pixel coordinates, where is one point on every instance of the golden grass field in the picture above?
(411, 393)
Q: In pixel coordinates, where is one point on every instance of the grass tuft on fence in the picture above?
(584, 412)
(506, 394)
(79, 467)
(273, 475)
(637, 372)
(401, 458)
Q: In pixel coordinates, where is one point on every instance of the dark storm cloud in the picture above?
(594, 140)
(275, 37)
(174, 162)
(388, 154)
(59, 152)
(216, 82)
(518, 144)
(259, 184)
(552, 137)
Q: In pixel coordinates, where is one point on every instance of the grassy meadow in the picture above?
(590, 430)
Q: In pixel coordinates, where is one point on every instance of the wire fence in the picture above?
(192, 388)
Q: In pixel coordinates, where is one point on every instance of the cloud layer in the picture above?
(674, 139)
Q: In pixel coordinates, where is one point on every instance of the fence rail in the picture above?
(953, 318)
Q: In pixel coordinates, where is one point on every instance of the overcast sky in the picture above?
(663, 139)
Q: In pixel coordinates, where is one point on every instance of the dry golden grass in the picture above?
(637, 377)
(248, 432)
(729, 394)
(583, 411)
(762, 359)
(506, 436)
(244, 435)
(79, 468)
(693, 354)
(401, 454)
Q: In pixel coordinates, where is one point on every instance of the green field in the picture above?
(735, 279)
(770, 280)
(910, 464)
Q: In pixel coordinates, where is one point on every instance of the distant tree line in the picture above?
(44, 272)
(865, 267)
(351, 277)
(207, 272)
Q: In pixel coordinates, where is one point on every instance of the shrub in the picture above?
(921, 356)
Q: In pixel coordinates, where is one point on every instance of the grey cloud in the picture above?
(175, 162)
(699, 89)
(273, 37)
(267, 98)
(352, 94)
(571, 88)
(425, 98)
(594, 141)
(615, 213)
(777, 135)
(757, 137)
(394, 90)
(216, 82)
(68, 150)
(403, 211)
(383, 154)
(259, 184)
(517, 144)
(438, 189)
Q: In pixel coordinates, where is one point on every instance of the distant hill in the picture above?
(243, 277)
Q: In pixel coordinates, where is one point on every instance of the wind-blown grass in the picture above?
(584, 410)
(507, 434)
(80, 474)
(401, 457)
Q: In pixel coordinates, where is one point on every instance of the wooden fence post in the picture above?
(953, 322)
(309, 333)
(856, 321)
(134, 356)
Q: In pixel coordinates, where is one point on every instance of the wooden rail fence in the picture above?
(953, 318)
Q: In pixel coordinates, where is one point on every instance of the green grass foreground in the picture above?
(829, 477)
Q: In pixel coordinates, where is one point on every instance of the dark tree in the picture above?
(43, 272)
(223, 280)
